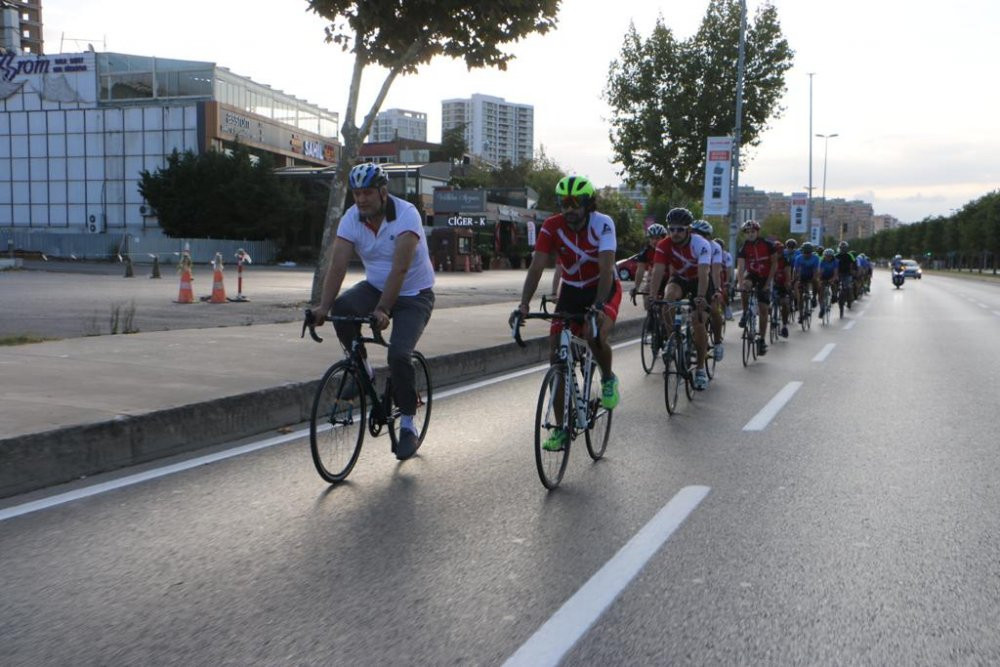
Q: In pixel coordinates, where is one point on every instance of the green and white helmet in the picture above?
(574, 186)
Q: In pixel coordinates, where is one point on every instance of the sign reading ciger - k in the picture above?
(717, 170)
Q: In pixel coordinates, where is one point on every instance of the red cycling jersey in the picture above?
(683, 258)
(757, 256)
(578, 249)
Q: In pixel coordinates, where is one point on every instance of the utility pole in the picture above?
(737, 133)
(810, 195)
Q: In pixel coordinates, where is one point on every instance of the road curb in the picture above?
(39, 460)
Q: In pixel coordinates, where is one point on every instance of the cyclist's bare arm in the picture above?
(340, 255)
(539, 261)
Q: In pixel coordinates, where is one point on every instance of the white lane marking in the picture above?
(556, 637)
(997, 313)
(861, 314)
(982, 305)
(825, 352)
(850, 325)
(764, 417)
(129, 480)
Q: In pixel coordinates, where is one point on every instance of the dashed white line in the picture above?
(997, 313)
(764, 417)
(556, 637)
(825, 352)
(850, 325)
(982, 305)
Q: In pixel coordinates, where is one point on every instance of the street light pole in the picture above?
(822, 221)
(810, 187)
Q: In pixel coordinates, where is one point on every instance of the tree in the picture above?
(221, 196)
(629, 231)
(669, 96)
(401, 36)
(453, 144)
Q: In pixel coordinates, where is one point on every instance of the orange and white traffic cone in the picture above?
(218, 290)
(186, 294)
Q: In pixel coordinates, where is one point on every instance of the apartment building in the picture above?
(494, 129)
(393, 124)
(21, 26)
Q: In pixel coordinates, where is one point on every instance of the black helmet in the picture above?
(807, 247)
(679, 217)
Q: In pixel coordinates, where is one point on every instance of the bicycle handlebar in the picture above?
(309, 322)
(518, 318)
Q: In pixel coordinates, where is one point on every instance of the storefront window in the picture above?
(192, 83)
(134, 86)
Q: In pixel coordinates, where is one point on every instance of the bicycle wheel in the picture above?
(650, 342)
(337, 423)
(671, 376)
(775, 318)
(748, 344)
(424, 389)
(553, 413)
(688, 361)
(598, 419)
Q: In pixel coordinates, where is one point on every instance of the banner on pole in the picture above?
(718, 168)
(800, 201)
(816, 231)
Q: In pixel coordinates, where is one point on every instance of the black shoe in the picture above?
(813, 302)
(743, 321)
(407, 444)
(761, 347)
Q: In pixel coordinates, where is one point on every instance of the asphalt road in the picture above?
(857, 525)
(71, 299)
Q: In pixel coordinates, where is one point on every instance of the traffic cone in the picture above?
(218, 290)
(186, 294)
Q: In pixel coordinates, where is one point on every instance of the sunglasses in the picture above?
(570, 202)
(674, 230)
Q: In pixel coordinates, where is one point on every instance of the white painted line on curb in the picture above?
(770, 411)
(556, 637)
(825, 352)
(70, 496)
(850, 325)
(129, 480)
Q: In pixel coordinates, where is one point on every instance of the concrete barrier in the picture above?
(39, 460)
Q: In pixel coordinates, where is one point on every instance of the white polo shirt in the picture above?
(376, 251)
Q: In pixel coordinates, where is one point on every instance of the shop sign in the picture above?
(467, 221)
(12, 65)
(448, 201)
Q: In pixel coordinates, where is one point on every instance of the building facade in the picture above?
(21, 26)
(77, 129)
(393, 124)
(494, 129)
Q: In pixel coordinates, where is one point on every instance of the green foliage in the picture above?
(968, 239)
(383, 32)
(453, 145)
(668, 96)
(629, 230)
(221, 196)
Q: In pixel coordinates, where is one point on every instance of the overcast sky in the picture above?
(909, 87)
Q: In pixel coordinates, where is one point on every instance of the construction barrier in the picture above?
(242, 257)
(218, 289)
(184, 267)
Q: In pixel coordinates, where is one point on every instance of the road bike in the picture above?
(846, 296)
(570, 396)
(652, 337)
(347, 403)
(773, 331)
(680, 359)
(805, 311)
(827, 296)
(750, 330)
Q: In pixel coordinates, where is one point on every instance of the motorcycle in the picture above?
(898, 277)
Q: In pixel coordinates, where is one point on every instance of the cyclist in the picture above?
(584, 243)
(864, 272)
(756, 264)
(782, 287)
(828, 276)
(688, 257)
(727, 277)
(846, 270)
(704, 229)
(654, 234)
(388, 235)
(806, 271)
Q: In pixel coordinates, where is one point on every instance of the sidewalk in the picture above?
(80, 406)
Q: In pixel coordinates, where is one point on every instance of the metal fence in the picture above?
(141, 247)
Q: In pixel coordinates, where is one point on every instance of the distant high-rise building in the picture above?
(494, 129)
(393, 124)
(21, 26)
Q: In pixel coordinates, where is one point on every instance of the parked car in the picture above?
(911, 269)
(626, 267)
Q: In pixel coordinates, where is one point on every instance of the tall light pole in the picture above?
(809, 196)
(734, 223)
(822, 221)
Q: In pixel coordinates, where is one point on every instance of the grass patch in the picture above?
(22, 340)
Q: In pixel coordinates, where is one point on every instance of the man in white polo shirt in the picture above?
(388, 234)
